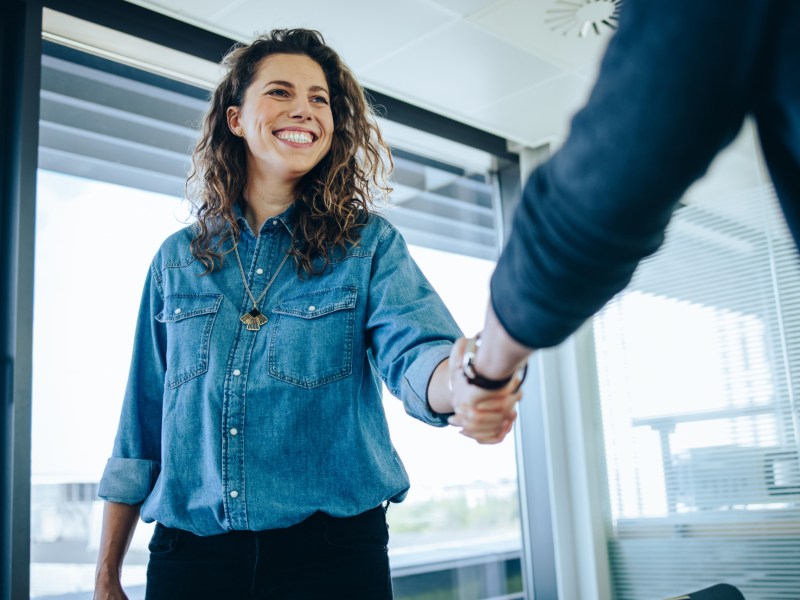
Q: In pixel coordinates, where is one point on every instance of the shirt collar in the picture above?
(285, 218)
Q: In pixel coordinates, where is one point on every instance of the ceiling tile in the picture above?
(523, 23)
(464, 7)
(196, 12)
(459, 69)
(362, 31)
(538, 114)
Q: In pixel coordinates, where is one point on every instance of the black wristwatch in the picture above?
(475, 378)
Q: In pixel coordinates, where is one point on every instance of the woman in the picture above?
(252, 427)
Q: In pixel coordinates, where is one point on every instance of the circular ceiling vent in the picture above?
(582, 17)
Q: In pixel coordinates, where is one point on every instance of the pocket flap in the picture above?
(182, 306)
(317, 304)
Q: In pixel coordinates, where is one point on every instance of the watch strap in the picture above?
(474, 378)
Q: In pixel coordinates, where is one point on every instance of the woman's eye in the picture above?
(280, 93)
(319, 99)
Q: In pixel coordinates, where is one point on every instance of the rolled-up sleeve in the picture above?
(128, 480)
(410, 330)
(131, 472)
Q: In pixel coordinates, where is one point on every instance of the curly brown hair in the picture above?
(333, 200)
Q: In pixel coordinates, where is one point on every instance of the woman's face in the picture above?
(285, 118)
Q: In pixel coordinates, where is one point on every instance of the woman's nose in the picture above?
(300, 109)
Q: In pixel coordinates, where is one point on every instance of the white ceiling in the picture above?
(493, 64)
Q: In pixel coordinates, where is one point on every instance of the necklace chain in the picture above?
(254, 319)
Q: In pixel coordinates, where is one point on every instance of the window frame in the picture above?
(19, 85)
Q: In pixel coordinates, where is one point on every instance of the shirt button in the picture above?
(260, 271)
(312, 308)
(236, 372)
(275, 222)
(234, 431)
(177, 311)
(234, 494)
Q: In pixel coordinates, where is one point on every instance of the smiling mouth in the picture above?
(297, 137)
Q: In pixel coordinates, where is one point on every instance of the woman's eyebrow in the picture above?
(280, 82)
(289, 84)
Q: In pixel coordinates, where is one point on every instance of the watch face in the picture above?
(469, 356)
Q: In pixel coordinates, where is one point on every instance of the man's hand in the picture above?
(484, 415)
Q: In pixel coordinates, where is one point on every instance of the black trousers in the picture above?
(321, 558)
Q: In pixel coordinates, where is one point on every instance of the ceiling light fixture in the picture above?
(583, 16)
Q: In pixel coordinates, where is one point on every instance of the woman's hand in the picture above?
(109, 588)
(483, 415)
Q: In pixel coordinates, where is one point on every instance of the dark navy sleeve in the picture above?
(673, 88)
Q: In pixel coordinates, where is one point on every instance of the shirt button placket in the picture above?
(234, 444)
(233, 427)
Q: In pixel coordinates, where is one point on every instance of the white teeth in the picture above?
(299, 137)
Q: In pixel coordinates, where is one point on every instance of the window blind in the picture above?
(698, 364)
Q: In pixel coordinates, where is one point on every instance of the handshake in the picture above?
(485, 410)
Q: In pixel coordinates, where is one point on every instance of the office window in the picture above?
(458, 532)
(698, 365)
(114, 153)
(94, 243)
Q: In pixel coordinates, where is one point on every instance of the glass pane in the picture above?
(94, 244)
(430, 197)
(457, 535)
(698, 373)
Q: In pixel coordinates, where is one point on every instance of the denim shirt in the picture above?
(223, 428)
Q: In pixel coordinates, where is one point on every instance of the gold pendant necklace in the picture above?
(254, 318)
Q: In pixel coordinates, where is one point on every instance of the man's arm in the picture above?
(674, 86)
(500, 354)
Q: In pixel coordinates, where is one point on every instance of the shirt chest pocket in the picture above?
(311, 340)
(189, 319)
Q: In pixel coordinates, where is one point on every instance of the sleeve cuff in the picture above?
(128, 480)
(416, 381)
(533, 326)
